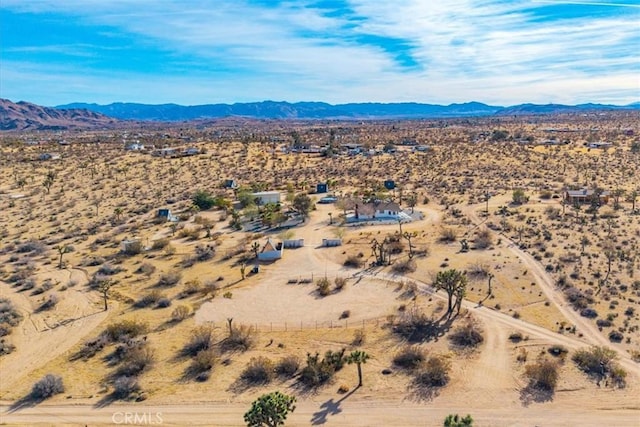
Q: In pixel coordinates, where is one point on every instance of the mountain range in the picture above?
(321, 110)
(27, 116)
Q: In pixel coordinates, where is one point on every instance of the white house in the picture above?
(381, 211)
(264, 197)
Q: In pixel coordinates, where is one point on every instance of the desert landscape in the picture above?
(382, 272)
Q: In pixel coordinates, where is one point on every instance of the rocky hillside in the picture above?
(25, 116)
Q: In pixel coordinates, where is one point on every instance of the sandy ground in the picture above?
(43, 336)
(486, 384)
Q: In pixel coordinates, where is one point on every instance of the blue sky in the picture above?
(209, 51)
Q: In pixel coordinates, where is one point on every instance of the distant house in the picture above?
(230, 183)
(134, 147)
(191, 151)
(270, 251)
(166, 213)
(421, 148)
(584, 195)
(599, 145)
(49, 156)
(379, 210)
(264, 197)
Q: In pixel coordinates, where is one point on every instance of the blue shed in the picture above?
(322, 187)
(389, 184)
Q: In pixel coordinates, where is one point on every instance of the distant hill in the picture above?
(286, 110)
(25, 116)
(321, 110)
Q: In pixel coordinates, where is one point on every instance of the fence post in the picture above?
(301, 325)
(316, 325)
(346, 323)
(330, 324)
(271, 326)
(285, 326)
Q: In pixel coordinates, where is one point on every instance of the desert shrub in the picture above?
(49, 303)
(558, 350)
(467, 335)
(33, 247)
(405, 266)
(134, 247)
(180, 313)
(149, 299)
(484, 239)
(210, 288)
(160, 244)
(202, 364)
(241, 338)
(124, 330)
(8, 313)
(190, 233)
(589, 313)
(171, 278)
(201, 339)
(146, 268)
(260, 370)
(47, 386)
(319, 371)
(203, 200)
(434, 372)
(288, 366)
(448, 234)
(410, 357)
(124, 386)
(163, 302)
(107, 269)
(515, 337)
(204, 253)
(324, 286)
(543, 374)
(353, 261)
(137, 359)
(415, 326)
(340, 283)
(600, 363)
(478, 271)
(6, 347)
(359, 337)
(190, 288)
(616, 336)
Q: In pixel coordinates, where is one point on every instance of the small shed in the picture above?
(264, 197)
(166, 213)
(322, 187)
(389, 184)
(270, 251)
(230, 183)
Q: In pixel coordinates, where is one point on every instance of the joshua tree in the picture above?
(104, 288)
(358, 357)
(410, 236)
(454, 283)
(270, 410)
(117, 213)
(62, 249)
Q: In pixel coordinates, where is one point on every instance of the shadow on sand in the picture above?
(329, 408)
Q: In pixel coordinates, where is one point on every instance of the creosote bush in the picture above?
(201, 339)
(124, 330)
(467, 335)
(47, 386)
(241, 338)
(543, 374)
(434, 372)
(259, 371)
(600, 364)
(288, 366)
(410, 357)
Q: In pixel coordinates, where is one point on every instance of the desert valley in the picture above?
(382, 272)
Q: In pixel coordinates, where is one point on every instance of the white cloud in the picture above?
(491, 51)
